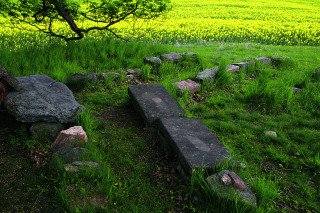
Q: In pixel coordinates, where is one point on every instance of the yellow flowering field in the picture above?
(287, 22)
(281, 22)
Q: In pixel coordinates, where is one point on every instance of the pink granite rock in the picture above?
(237, 182)
(73, 136)
(189, 85)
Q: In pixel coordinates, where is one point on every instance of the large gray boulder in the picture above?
(43, 99)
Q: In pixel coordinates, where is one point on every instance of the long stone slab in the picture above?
(195, 145)
(154, 101)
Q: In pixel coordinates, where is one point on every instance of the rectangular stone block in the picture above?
(154, 101)
(195, 145)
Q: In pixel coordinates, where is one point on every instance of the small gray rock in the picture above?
(296, 90)
(232, 68)
(69, 155)
(171, 57)
(154, 61)
(45, 131)
(265, 60)
(76, 166)
(207, 74)
(271, 133)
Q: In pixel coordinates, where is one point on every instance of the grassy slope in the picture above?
(231, 109)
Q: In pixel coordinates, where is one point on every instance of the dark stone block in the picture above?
(154, 101)
(195, 145)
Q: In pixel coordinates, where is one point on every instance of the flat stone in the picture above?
(155, 61)
(69, 155)
(9, 80)
(189, 85)
(207, 74)
(172, 57)
(195, 145)
(154, 101)
(232, 68)
(43, 99)
(265, 60)
(242, 65)
(238, 190)
(45, 131)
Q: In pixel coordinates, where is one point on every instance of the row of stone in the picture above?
(195, 146)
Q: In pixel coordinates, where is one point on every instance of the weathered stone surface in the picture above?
(155, 61)
(237, 190)
(76, 166)
(232, 68)
(69, 155)
(102, 76)
(172, 57)
(79, 80)
(74, 136)
(43, 99)
(9, 80)
(154, 101)
(207, 74)
(195, 145)
(271, 133)
(265, 60)
(296, 90)
(242, 65)
(45, 131)
(189, 85)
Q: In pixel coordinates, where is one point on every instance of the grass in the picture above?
(135, 175)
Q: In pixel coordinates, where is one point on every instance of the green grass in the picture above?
(283, 172)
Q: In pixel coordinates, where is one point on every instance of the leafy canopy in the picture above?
(45, 15)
